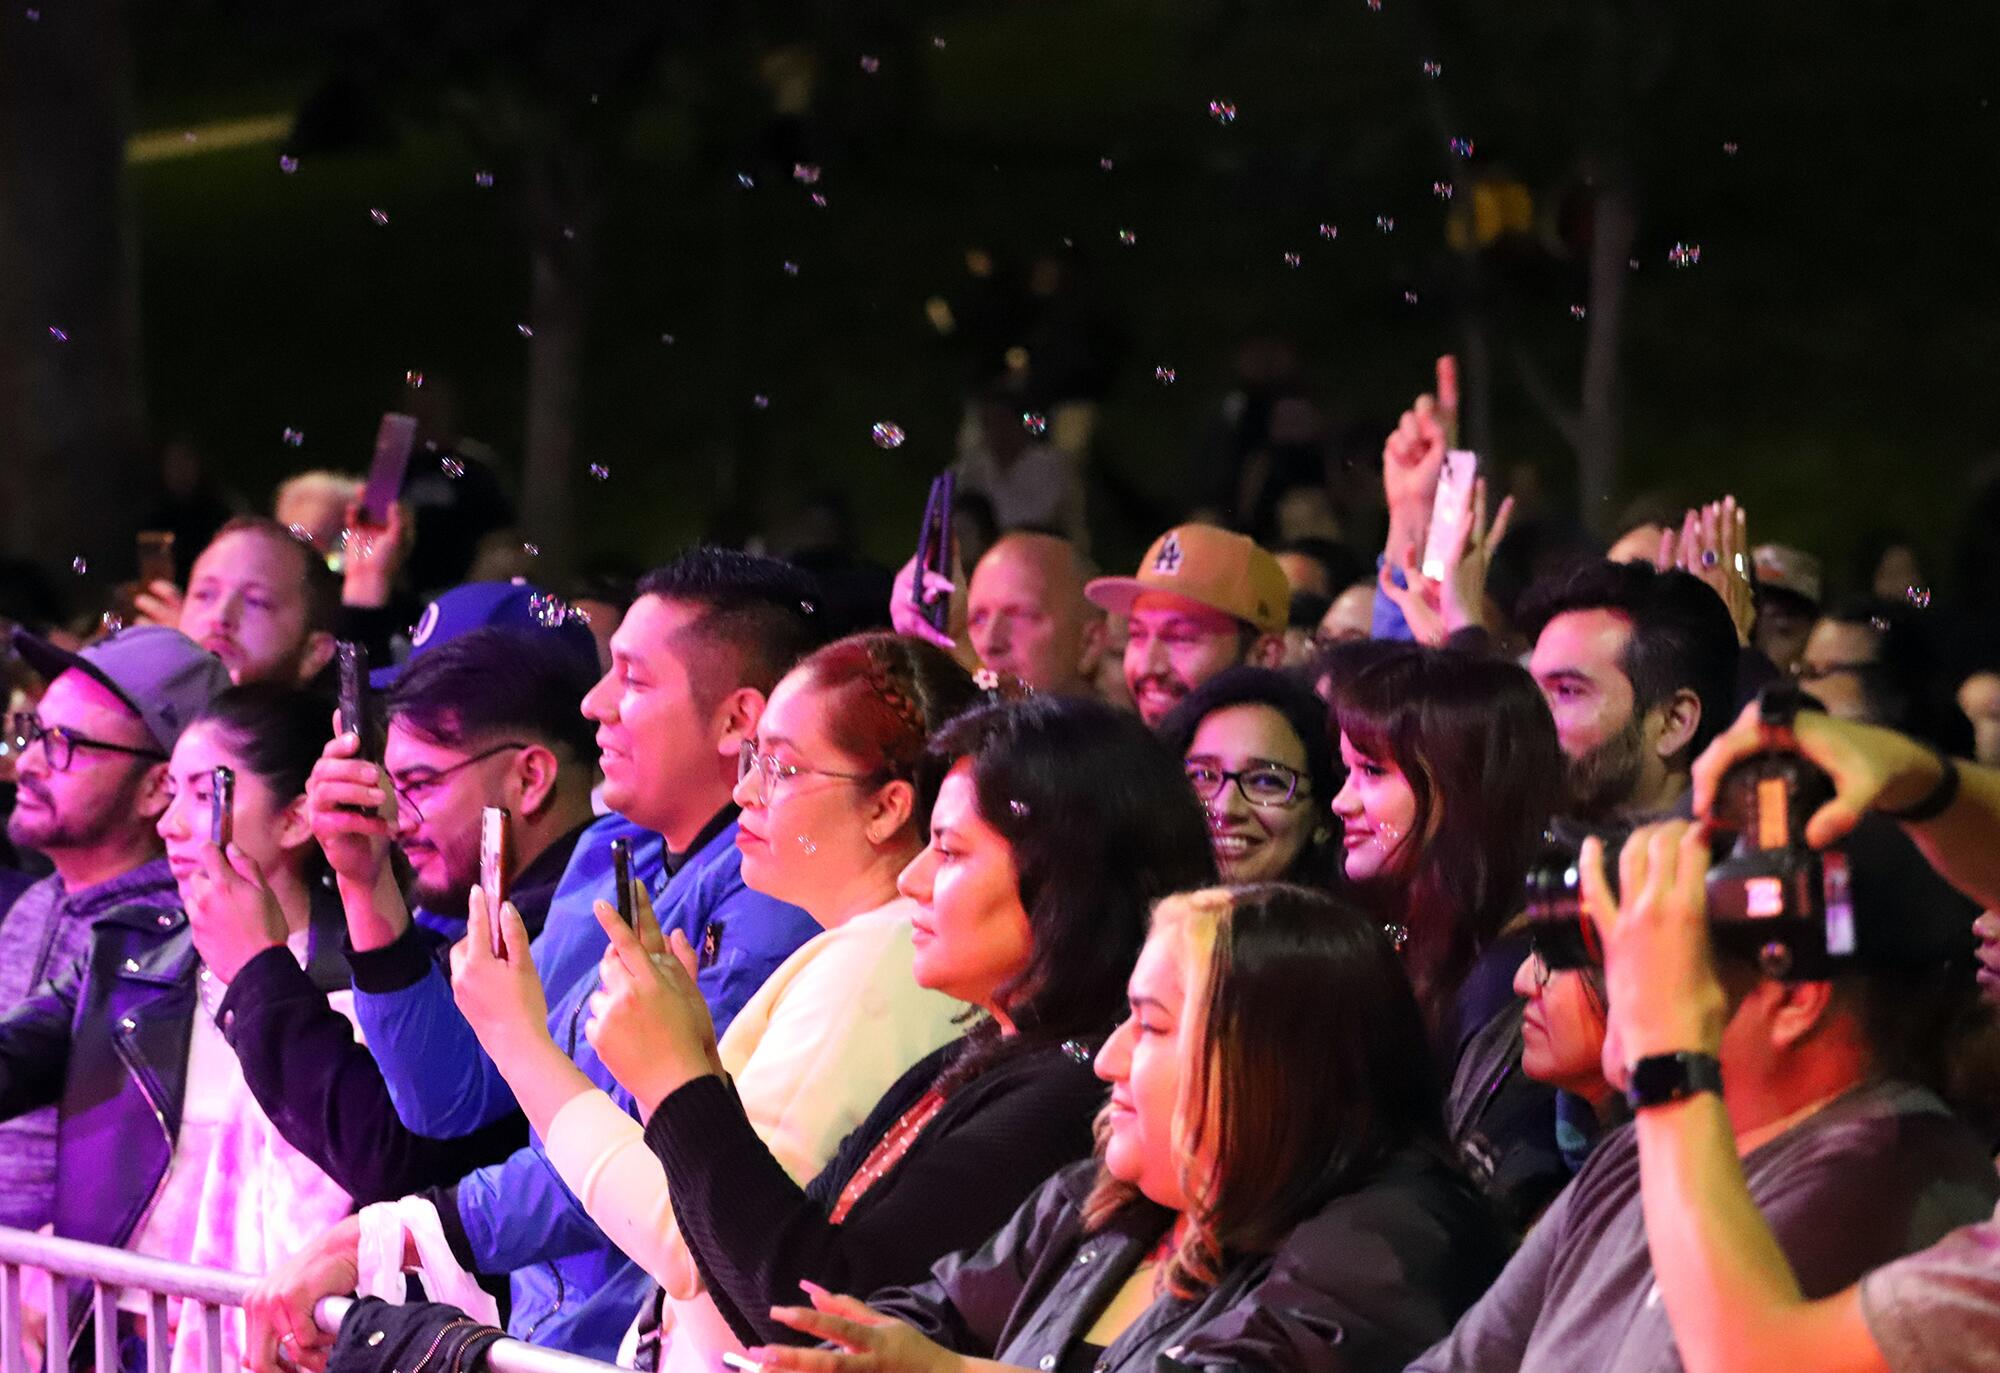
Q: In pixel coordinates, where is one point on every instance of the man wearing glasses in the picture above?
(90, 766)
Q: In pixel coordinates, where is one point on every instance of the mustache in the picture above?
(36, 790)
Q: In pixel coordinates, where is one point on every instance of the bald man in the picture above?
(1026, 613)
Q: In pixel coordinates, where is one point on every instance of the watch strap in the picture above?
(1658, 1079)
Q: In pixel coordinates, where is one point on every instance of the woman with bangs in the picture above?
(1271, 1189)
(1454, 771)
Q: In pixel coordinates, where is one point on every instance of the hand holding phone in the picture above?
(357, 714)
(934, 550)
(493, 863)
(394, 440)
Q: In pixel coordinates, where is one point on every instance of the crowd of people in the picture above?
(1258, 961)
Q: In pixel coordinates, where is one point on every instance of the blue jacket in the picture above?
(572, 1288)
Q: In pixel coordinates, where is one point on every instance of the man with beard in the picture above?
(1639, 669)
(1203, 599)
(489, 717)
(261, 600)
(92, 778)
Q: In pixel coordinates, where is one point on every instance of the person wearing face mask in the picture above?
(1255, 744)
(1057, 823)
(831, 814)
(1271, 1188)
(129, 1039)
(1452, 773)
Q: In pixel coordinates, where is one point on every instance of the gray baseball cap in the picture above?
(162, 675)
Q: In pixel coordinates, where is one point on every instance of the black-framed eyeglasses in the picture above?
(408, 788)
(1265, 784)
(1806, 672)
(60, 743)
(771, 770)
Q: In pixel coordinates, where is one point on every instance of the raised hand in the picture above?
(1412, 457)
(232, 911)
(158, 603)
(501, 997)
(372, 555)
(905, 618)
(1713, 543)
(352, 808)
(648, 1020)
(869, 1342)
(1437, 608)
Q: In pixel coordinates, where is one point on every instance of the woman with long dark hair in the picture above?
(1056, 824)
(1453, 773)
(1271, 1188)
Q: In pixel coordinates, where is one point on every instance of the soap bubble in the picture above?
(111, 622)
(80, 566)
(294, 437)
(58, 333)
(525, 330)
(1034, 423)
(1293, 259)
(452, 467)
(761, 401)
(1222, 111)
(1577, 312)
(791, 269)
(1020, 808)
(1918, 596)
(806, 173)
(1461, 147)
(1684, 254)
(1729, 149)
(1386, 223)
(1442, 189)
(414, 379)
(533, 550)
(1409, 297)
(871, 64)
(1104, 164)
(600, 471)
(299, 532)
(937, 43)
(483, 180)
(1329, 232)
(818, 200)
(379, 216)
(1433, 69)
(550, 612)
(1164, 375)
(745, 180)
(808, 845)
(667, 339)
(1127, 237)
(888, 435)
(287, 163)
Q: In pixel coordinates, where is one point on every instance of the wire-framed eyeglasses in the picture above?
(771, 770)
(409, 788)
(60, 743)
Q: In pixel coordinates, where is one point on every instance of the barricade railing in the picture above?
(207, 1292)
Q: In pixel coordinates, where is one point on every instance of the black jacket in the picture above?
(325, 1093)
(1363, 1287)
(107, 1041)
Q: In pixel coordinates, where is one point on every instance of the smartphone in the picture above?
(1450, 509)
(934, 550)
(395, 437)
(221, 806)
(356, 715)
(621, 877)
(493, 859)
(741, 1363)
(156, 556)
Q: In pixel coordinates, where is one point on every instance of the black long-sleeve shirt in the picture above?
(754, 1233)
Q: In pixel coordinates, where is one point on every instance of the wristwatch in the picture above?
(1658, 1079)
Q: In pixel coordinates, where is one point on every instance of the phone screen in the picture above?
(221, 807)
(493, 870)
(357, 715)
(934, 550)
(156, 556)
(621, 876)
(1451, 508)
(394, 439)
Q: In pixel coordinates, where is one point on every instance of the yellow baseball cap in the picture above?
(1219, 569)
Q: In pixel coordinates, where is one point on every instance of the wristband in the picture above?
(1936, 801)
(1658, 1079)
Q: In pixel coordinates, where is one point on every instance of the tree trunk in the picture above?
(565, 211)
(71, 410)
(1613, 228)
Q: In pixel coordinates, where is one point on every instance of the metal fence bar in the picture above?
(112, 1270)
(11, 1359)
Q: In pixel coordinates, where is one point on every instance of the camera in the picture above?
(1772, 899)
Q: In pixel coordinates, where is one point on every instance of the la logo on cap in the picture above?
(1167, 562)
(426, 625)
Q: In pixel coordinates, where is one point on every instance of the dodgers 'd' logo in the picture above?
(426, 625)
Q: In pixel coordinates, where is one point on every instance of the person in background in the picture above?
(1789, 591)
(314, 507)
(1874, 661)
(1255, 745)
(258, 598)
(1270, 1190)
(1349, 616)
(91, 768)
(127, 1039)
(1562, 1043)
(1638, 668)
(1203, 599)
(1739, 1289)
(1320, 565)
(1028, 482)
(1452, 774)
(1302, 622)
(1026, 614)
(693, 664)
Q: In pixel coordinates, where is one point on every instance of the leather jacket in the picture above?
(106, 1040)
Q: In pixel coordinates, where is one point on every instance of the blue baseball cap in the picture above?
(164, 677)
(494, 605)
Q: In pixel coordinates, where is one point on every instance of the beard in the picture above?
(48, 830)
(1606, 777)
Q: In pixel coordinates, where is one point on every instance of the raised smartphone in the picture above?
(394, 438)
(221, 807)
(1450, 509)
(621, 877)
(934, 550)
(357, 714)
(493, 860)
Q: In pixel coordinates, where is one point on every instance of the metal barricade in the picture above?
(208, 1292)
